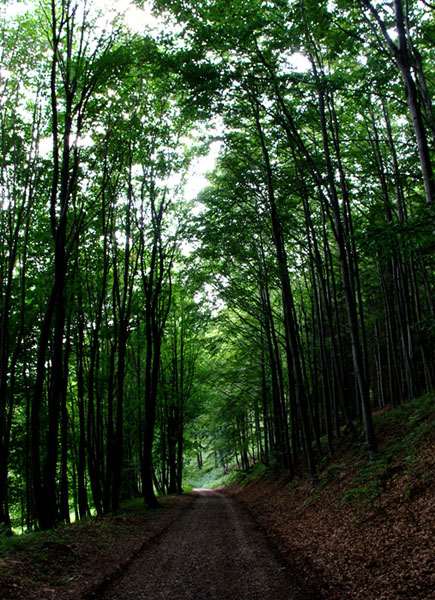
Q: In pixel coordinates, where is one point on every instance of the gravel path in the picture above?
(214, 551)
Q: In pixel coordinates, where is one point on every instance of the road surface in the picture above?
(213, 552)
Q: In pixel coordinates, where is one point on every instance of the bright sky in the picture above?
(137, 19)
(197, 180)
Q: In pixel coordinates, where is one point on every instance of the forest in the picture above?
(146, 326)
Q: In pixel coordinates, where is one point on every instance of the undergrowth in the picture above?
(401, 431)
(211, 477)
(414, 423)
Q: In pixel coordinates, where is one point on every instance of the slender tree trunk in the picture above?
(83, 506)
(402, 55)
(294, 366)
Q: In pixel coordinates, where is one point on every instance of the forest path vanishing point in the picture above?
(214, 551)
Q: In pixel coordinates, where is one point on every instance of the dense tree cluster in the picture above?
(318, 225)
(315, 236)
(91, 271)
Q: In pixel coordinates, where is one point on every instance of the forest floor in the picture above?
(366, 531)
(75, 561)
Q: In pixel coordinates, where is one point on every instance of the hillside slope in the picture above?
(367, 530)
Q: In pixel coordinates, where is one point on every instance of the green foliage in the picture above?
(322, 159)
(259, 471)
(370, 480)
(209, 478)
(331, 472)
(399, 455)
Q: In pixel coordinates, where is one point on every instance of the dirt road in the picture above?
(213, 552)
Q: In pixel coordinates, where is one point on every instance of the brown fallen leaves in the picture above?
(384, 550)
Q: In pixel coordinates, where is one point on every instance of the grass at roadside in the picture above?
(402, 432)
(210, 477)
(72, 560)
